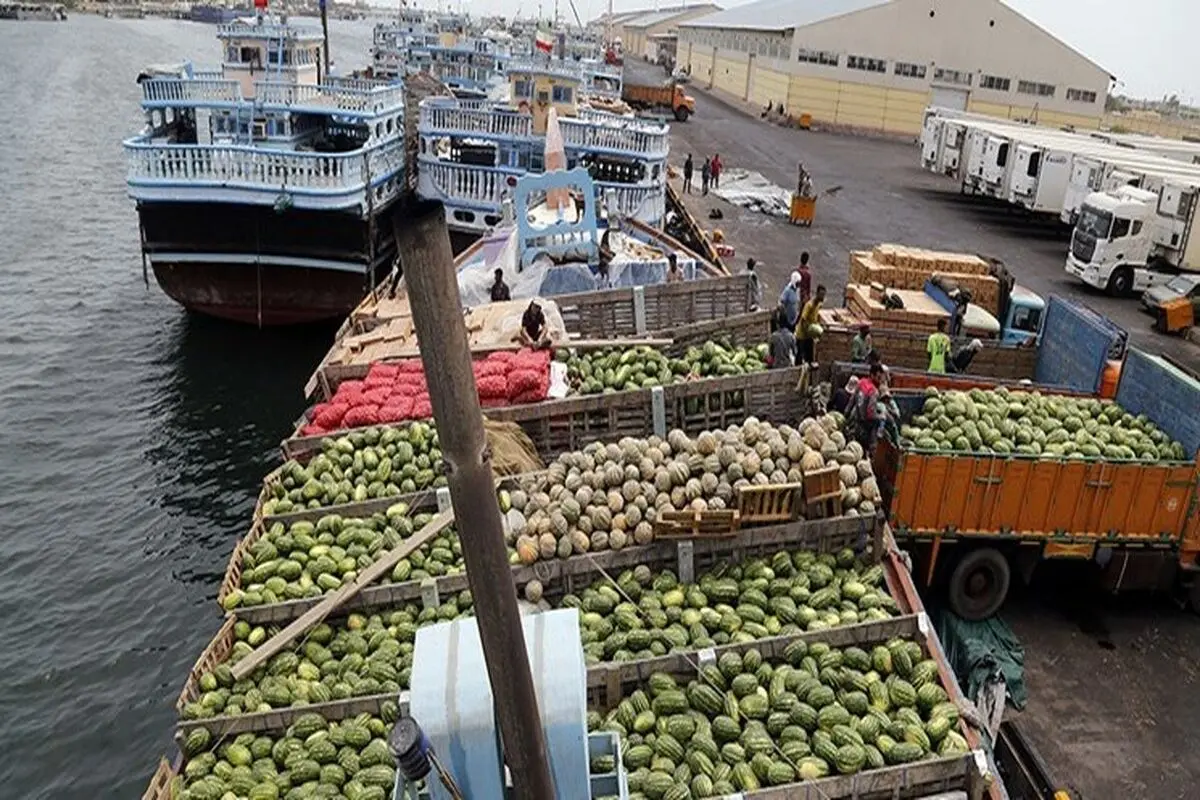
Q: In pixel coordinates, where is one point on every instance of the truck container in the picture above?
(1127, 240)
(668, 96)
(971, 519)
(1093, 172)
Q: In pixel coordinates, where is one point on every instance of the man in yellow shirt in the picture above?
(938, 347)
(809, 317)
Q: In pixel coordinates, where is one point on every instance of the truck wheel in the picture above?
(1120, 283)
(681, 113)
(979, 584)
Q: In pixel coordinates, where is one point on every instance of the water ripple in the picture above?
(135, 437)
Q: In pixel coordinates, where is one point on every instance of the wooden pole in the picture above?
(325, 35)
(427, 261)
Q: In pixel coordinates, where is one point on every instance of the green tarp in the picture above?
(979, 651)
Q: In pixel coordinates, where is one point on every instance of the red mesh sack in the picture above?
(407, 381)
(400, 404)
(535, 395)
(410, 365)
(329, 415)
(532, 359)
(313, 430)
(422, 408)
(523, 380)
(488, 367)
(501, 357)
(360, 416)
(380, 375)
(377, 397)
(492, 386)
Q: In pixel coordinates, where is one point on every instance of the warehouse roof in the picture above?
(659, 17)
(778, 15)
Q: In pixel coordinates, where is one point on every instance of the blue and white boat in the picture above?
(260, 186)
(473, 152)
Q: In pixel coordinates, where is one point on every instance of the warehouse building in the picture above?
(877, 64)
(640, 35)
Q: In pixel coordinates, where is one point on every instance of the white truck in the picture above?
(1094, 173)
(1127, 240)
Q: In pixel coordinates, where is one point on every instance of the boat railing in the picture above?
(435, 117)
(207, 73)
(240, 165)
(364, 97)
(467, 183)
(194, 90)
(264, 29)
(631, 200)
(624, 136)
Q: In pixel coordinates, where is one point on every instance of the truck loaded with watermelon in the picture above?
(985, 482)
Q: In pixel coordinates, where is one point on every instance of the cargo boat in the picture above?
(30, 11)
(259, 186)
(217, 15)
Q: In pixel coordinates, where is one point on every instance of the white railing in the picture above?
(474, 120)
(183, 90)
(620, 136)
(267, 30)
(207, 73)
(238, 166)
(342, 96)
(643, 202)
(462, 182)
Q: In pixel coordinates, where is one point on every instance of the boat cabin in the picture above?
(535, 91)
(257, 51)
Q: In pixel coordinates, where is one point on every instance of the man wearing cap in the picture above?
(962, 358)
(789, 300)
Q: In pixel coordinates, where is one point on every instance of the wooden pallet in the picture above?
(693, 524)
(822, 493)
(772, 503)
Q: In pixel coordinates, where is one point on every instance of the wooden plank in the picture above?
(160, 782)
(368, 576)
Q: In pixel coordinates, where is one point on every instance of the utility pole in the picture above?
(325, 32)
(428, 265)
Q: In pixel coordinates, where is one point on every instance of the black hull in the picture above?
(251, 264)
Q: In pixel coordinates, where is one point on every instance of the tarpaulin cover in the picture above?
(980, 652)
(753, 191)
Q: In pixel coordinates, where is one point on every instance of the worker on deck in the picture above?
(755, 285)
(688, 167)
(716, 168)
(781, 351)
(805, 273)
(789, 300)
(961, 360)
(808, 326)
(533, 331)
(674, 273)
(938, 347)
(861, 345)
(705, 176)
(863, 417)
(500, 291)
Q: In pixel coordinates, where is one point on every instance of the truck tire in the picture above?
(681, 113)
(979, 584)
(1120, 283)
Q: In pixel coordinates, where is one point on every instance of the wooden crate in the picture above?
(741, 330)
(697, 524)
(160, 782)
(771, 503)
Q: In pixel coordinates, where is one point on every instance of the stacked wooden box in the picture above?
(920, 314)
(899, 267)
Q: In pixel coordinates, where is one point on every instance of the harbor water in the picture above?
(134, 436)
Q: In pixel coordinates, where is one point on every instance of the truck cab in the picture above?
(1127, 240)
(1022, 321)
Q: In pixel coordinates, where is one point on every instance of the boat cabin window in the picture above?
(274, 57)
(523, 88)
(563, 94)
(1120, 228)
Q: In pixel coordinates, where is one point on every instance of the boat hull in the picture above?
(250, 264)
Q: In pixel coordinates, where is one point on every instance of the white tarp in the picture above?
(753, 191)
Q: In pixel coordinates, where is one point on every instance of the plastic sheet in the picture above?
(753, 191)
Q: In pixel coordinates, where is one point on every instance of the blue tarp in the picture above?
(1075, 344)
(1169, 397)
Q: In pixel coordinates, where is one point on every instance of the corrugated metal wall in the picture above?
(1044, 117)
(729, 74)
(857, 105)
(768, 86)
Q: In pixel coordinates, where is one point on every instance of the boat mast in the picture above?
(325, 33)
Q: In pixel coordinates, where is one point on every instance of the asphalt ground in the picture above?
(884, 196)
(1111, 680)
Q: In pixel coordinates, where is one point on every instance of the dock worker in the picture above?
(960, 311)
(533, 331)
(688, 167)
(805, 272)
(808, 326)
(938, 347)
(861, 345)
(961, 360)
(500, 291)
(674, 273)
(755, 285)
(789, 300)
(781, 352)
(717, 167)
(863, 416)
(705, 176)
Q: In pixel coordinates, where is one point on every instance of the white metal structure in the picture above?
(1127, 240)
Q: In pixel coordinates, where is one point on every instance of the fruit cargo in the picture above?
(1135, 517)
(606, 314)
(924, 716)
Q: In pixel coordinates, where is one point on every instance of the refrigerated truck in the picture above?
(1174, 149)
(1095, 173)
(1127, 240)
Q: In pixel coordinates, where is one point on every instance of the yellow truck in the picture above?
(669, 95)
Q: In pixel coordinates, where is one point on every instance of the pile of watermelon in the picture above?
(396, 391)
